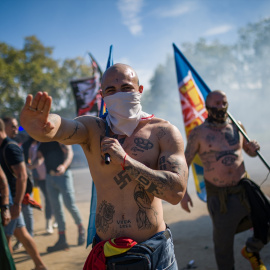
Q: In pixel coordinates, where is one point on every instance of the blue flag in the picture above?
(193, 92)
(93, 203)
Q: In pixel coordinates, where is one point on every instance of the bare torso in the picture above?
(220, 150)
(124, 207)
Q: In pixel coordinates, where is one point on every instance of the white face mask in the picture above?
(124, 112)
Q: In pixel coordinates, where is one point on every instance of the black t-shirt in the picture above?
(53, 155)
(14, 155)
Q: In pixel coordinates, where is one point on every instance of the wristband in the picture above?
(5, 207)
(123, 164)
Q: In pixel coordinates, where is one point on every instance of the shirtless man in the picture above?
(147, 159)
(219, 145)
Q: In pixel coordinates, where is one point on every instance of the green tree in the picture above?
(33, 69)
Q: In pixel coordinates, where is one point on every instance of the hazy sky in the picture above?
(141, 31)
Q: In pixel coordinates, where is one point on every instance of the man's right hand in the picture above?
(186, 201)
(34, 116)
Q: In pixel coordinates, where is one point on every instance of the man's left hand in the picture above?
(252, 147)
(6, 216)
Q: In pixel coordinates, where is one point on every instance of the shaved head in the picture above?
(213, 94)
(120, 78)
(121, 69)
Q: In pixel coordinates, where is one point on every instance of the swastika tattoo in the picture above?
(122, 179)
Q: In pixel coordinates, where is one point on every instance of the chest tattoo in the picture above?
(142, 144)
(232, 136)
(228, 157)
(222, 154)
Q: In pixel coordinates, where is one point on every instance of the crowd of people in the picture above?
(21, 161)
(148, 163)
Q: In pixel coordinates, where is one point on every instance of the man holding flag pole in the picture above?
(231, 196)
(147, 165)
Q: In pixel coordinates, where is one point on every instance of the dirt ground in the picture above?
(192, 235)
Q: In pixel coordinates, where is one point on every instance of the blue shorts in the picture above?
(13, 224)
(161, 244)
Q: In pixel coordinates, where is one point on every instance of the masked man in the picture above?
(219, 145)
(147, 164)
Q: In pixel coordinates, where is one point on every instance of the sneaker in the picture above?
(49, 227)
(81, 238)
(60, 245)
(55, 225)
(49, 230)
(18, 245)
(254, 259)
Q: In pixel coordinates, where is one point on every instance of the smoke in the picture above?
(241, 70)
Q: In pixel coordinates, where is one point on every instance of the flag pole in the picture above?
(247, 138)
(92, 58)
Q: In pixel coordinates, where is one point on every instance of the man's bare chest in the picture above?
(220, 139)
(142, 147)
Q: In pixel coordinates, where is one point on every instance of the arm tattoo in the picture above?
(74, 132)
(162, 163)
(161, 133)
(124, 177)
(144, 203)
(170, 164)
(98, 123)
(104, 217)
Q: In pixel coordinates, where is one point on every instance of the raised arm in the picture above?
(36, 119)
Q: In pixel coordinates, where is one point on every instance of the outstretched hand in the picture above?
(34, 116)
